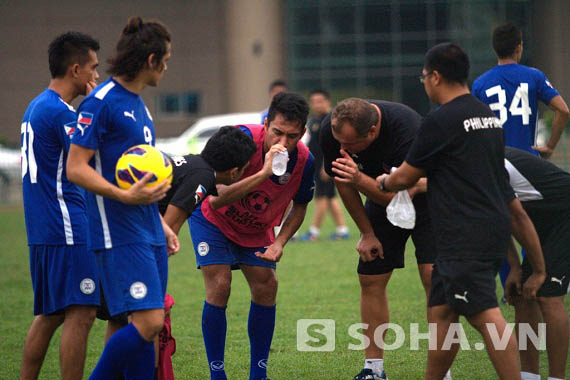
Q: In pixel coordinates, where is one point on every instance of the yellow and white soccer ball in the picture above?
(139, 160)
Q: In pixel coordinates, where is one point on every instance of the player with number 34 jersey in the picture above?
(513, 90)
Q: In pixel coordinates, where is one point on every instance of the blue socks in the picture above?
(125, 350)
(260, 326)
(214, 327)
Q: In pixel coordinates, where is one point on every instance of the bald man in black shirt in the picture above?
(360, 140)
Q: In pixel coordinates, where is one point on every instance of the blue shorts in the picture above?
(63, 275)
(211, 246)
(133, 277)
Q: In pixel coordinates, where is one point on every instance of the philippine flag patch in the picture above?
(84, 121)
(200, 193)
(85, 118)
(70, 128)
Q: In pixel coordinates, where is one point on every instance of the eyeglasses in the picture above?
(423, 77)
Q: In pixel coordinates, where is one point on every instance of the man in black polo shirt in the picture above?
(544, 191)
(361, 140)
(460, 148)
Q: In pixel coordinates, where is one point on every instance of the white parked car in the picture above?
(193, 140)
(10, 171)
(10, 162)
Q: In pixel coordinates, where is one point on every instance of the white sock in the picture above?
(552, 378)
(377, 365)
(447, 375)
(529, 376)
(314, 231)
(341, 229)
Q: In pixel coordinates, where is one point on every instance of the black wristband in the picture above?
(383, 185)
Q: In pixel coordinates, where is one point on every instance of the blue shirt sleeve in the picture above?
(305, 192)
(545, 90)
(246, 130)
(92, 123)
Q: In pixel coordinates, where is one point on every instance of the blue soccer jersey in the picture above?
(110, 121)
(53, 206)
(513, 92)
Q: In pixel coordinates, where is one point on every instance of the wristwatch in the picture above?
(383, 185)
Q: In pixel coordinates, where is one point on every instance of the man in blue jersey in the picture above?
(64, 274)
(127, 234)
(513, 91)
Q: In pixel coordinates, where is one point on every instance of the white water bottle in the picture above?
(279, 164)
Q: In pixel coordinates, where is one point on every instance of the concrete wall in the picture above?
(255, 51)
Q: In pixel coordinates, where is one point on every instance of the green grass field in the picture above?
(316, 280)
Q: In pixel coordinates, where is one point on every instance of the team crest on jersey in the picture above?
(70, 128)
(199, 194)
(87, 286)
(284, 178)
(84, 121)
(138, 290)
(203, 248)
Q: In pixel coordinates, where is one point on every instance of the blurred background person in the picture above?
(325, 192)
(277, 86)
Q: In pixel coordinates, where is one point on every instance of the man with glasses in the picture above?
(360, 140)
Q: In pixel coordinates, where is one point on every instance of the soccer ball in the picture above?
(139, 160)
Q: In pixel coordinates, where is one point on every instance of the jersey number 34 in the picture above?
(519, 105)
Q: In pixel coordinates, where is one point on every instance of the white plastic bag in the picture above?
(401, 211)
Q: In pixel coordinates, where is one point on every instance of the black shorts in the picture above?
(104, 315)
(466, 285)
(394, 238)
(324, 188)
(556, 250)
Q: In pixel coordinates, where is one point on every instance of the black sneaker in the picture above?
(369, 374)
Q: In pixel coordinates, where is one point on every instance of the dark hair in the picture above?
(359, 113)
(506, 38)
(139, 39)
(292, 106)
(319, 91)
(67, 49)
(449, 60)
(229, 148)
(277, 83)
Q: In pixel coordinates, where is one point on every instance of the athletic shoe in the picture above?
(339, 236)
(369, 374)
(308, 237)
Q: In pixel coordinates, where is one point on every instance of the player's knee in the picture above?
(550, 304)
(266, 288)
(152, 324)
(218, 291)
(373, 285)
